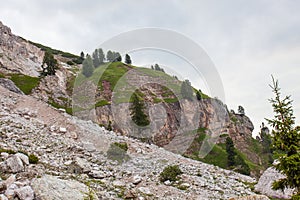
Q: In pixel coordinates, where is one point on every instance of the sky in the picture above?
(248, 41)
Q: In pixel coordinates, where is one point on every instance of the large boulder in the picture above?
(13, 164)
(52, 188)
(264, 185)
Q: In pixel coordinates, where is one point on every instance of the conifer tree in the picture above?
(137, 111)
(127, 59)
(286, 141)
(87, 66)
(49, 65)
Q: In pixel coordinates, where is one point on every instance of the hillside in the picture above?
(37, 121)
(112, 88)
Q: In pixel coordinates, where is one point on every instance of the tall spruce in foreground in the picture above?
(87, 66)
(230, 152)
(137, 111)
(286, 141)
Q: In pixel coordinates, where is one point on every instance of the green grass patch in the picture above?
(24, 82)
(170, 100)
(157, 100)
(217, 156)
(102, 103)
(2, 76)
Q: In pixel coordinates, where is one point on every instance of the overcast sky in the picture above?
(247, 40)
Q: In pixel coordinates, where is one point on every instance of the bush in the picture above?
(117, 151)
(33, 159)
(170, 173)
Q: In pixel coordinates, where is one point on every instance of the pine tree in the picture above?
(49, 65)
(82, 55)
(198, 95)
(110, 56)
(286, 141)
(137, 111)
(241, 110)
(117, 57)
(96, 60)
(230, 152)
(101, 56)
(187, 90)
(87, 66)
(127, 59)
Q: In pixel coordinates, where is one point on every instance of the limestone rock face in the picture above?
(52, 188)
(18, 55)
(264, 185)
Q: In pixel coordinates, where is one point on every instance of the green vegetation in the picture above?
(170, 173)
(128, 59)
(137, 111)
(66, 105)
(88, 67)
(230, 152)
(186, 90)
(54, 51)
(9, 151)
(117, 151)
(2, 76)
(24, 82)
(102, 103)
(33, 159)
(286, 141)
(170, 100)
(49, 65)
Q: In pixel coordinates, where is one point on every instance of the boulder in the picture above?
(264, 185)
(25, 193)
(13, 164)
(52, 188)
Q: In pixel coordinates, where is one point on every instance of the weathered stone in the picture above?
(145, 190)
(136, 179)
(52, 188)
(23, 157)
(14, 164)
(25, 193)
(264, 185)
(3, 197)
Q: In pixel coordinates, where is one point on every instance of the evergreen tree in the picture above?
(82, 55)
(101, 56)
(49, 65)
(127, 59)
(110, 56)
(286, 141)
(156, 67)
(198, 95)
(186, 90)
(137, 111)
(96, 60)
(241, 110)
(117, 57)
(230, 152)
(87, 66)
(152, 67)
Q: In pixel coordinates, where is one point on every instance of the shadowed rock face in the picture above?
(8, 84)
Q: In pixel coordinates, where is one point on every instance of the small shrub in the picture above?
(33, 159)
(170, 173)
(117, 151)
(70, 63)
(9, 151)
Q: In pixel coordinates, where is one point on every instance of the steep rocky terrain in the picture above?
(78, 158)
(73, 160)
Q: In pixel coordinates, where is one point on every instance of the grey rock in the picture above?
(14, 164)
(23, 157)
(25, 193)
(52, 188)
(8, 84)
(264, 185)
(251, 197)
